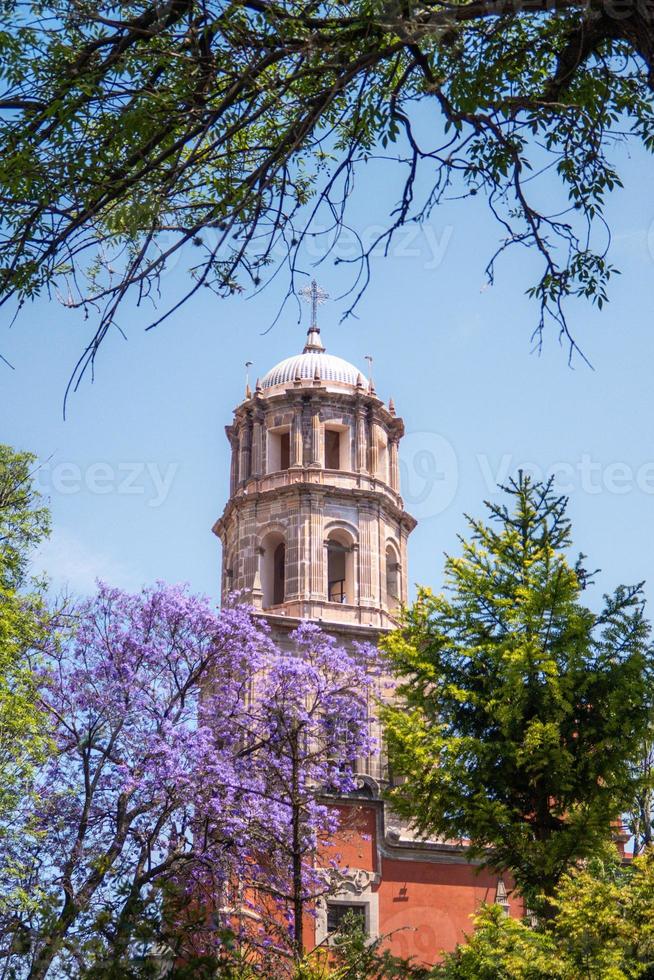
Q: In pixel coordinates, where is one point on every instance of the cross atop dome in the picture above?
(316, 296)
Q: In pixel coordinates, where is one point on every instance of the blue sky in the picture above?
(138, 472)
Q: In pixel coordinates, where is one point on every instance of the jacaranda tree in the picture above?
(519, 708)
(314, 708)
(170, 772)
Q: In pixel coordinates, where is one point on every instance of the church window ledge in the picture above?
(279, 449)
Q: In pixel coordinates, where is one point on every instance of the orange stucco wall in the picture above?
(425, 907)
(357, 843)
(426, 899)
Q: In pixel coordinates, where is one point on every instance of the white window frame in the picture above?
(349, 894)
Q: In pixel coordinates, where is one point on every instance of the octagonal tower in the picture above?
(315, 527)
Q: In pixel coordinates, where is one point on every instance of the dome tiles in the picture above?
(309, 365)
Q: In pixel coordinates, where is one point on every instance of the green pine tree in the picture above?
(519, 709)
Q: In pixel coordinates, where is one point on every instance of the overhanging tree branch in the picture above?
(232, 126)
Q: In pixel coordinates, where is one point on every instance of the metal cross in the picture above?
(315, 295)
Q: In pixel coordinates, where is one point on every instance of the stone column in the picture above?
(356, 576)
(248, 543)
(367, 547)
(316, 437)
(297, 448)
(393, 463)
(304, 547)
(404, 590)
(317, 549)
(294, 536)
(377, 559)
(374, 449)
(256, 592)
(233, 470)
(257, 447)
(360, 436)
(245, 448)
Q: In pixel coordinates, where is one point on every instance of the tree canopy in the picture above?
(179, 800)
(602, 931)
(24, 522)
(520, 710)
(134, 128)
(24, 518)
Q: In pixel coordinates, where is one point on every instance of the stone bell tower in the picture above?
(315, 527)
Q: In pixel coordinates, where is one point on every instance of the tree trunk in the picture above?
(296, 845)
(298, 898)
(54, 942)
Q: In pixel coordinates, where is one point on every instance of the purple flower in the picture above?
(189, 752)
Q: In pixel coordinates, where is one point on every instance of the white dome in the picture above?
(329, 367)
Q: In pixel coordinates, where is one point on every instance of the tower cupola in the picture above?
(315, 527)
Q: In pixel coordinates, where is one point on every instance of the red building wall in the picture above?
(426, 893)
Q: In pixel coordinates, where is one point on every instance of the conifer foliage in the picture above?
(519, 708)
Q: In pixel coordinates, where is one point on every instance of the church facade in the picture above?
(315, 528)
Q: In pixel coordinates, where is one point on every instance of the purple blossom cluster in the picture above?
(189, 782)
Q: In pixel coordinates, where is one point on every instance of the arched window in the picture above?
(273, 569)
(279, 574)
(340, 567)
(392, 577)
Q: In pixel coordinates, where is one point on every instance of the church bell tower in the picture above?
(315, 527)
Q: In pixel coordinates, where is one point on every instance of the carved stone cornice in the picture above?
(250, 492)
